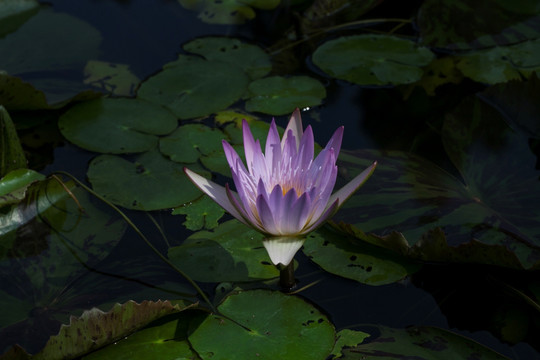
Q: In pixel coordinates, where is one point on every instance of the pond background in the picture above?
(464, 298)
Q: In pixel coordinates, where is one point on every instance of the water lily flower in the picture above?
(284, 193)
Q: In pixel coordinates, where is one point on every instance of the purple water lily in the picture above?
(283, 193)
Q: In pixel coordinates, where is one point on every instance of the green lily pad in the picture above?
(192, 87)
(11, 153)
(347, 337)
(13, 186)
(202, 213)
(419, 342)
(116, 126)
(491, 217)
(116, 79)
(351, 259)
(232, 252)
(372, 59)
(481, 24)
(261, 324)
(502, 63)
(148, 182)
(164, 341)
(277, 95)
(48, 44)
(227, 11)
(517, 103)
(14, 13)
(190, 141)
(250, 58)
(95, 328)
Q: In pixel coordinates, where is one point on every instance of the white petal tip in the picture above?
(282, 249)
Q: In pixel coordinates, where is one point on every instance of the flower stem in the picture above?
(286, 276)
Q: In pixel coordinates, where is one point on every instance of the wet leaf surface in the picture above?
(116, 126)
(372, 59)
(133, 183)
(253, 322)
(191, 87)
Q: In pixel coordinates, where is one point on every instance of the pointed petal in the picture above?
(305, 151)
(335, 141)
(232, 156)
(345, 192)
(246, 215)
(250, 146)
(215, 191)
(282, 249)
(266, 216)
(331, 210)
(298, 214)
(295, 125)
(272, 151)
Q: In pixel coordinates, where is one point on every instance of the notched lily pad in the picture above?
(232, 252)
(502, 63)
(481, 24)
(112, 78)
(227, 11)
(116, 126)
(192, 87)
(148, 182)
(202, 213)
(277, 95)
(490, 216)
(253, 323)
(47, 45)
(419, 342)
(372, 59)
(343, 256)
(250, 58)
(95, 328)
(191, 141)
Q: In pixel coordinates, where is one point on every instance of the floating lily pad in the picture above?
(491, 217)
(481, 24)
(192, 87)
(95, 328)
(149, 182)
(202, 213)
(11, 153)
(191, 141)
(116, 125)
(227, 11)
(166, 341)
(502, 63)
(261, 324)
(277, 95)
(349, 338)
(517, 101)
(14, 13)
(46, 45)
(372, 59)
(419, 342)
(232, 252)
(112, 78)
(362, 262)
(250, 58)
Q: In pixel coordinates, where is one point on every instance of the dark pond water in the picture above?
(474, 300)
